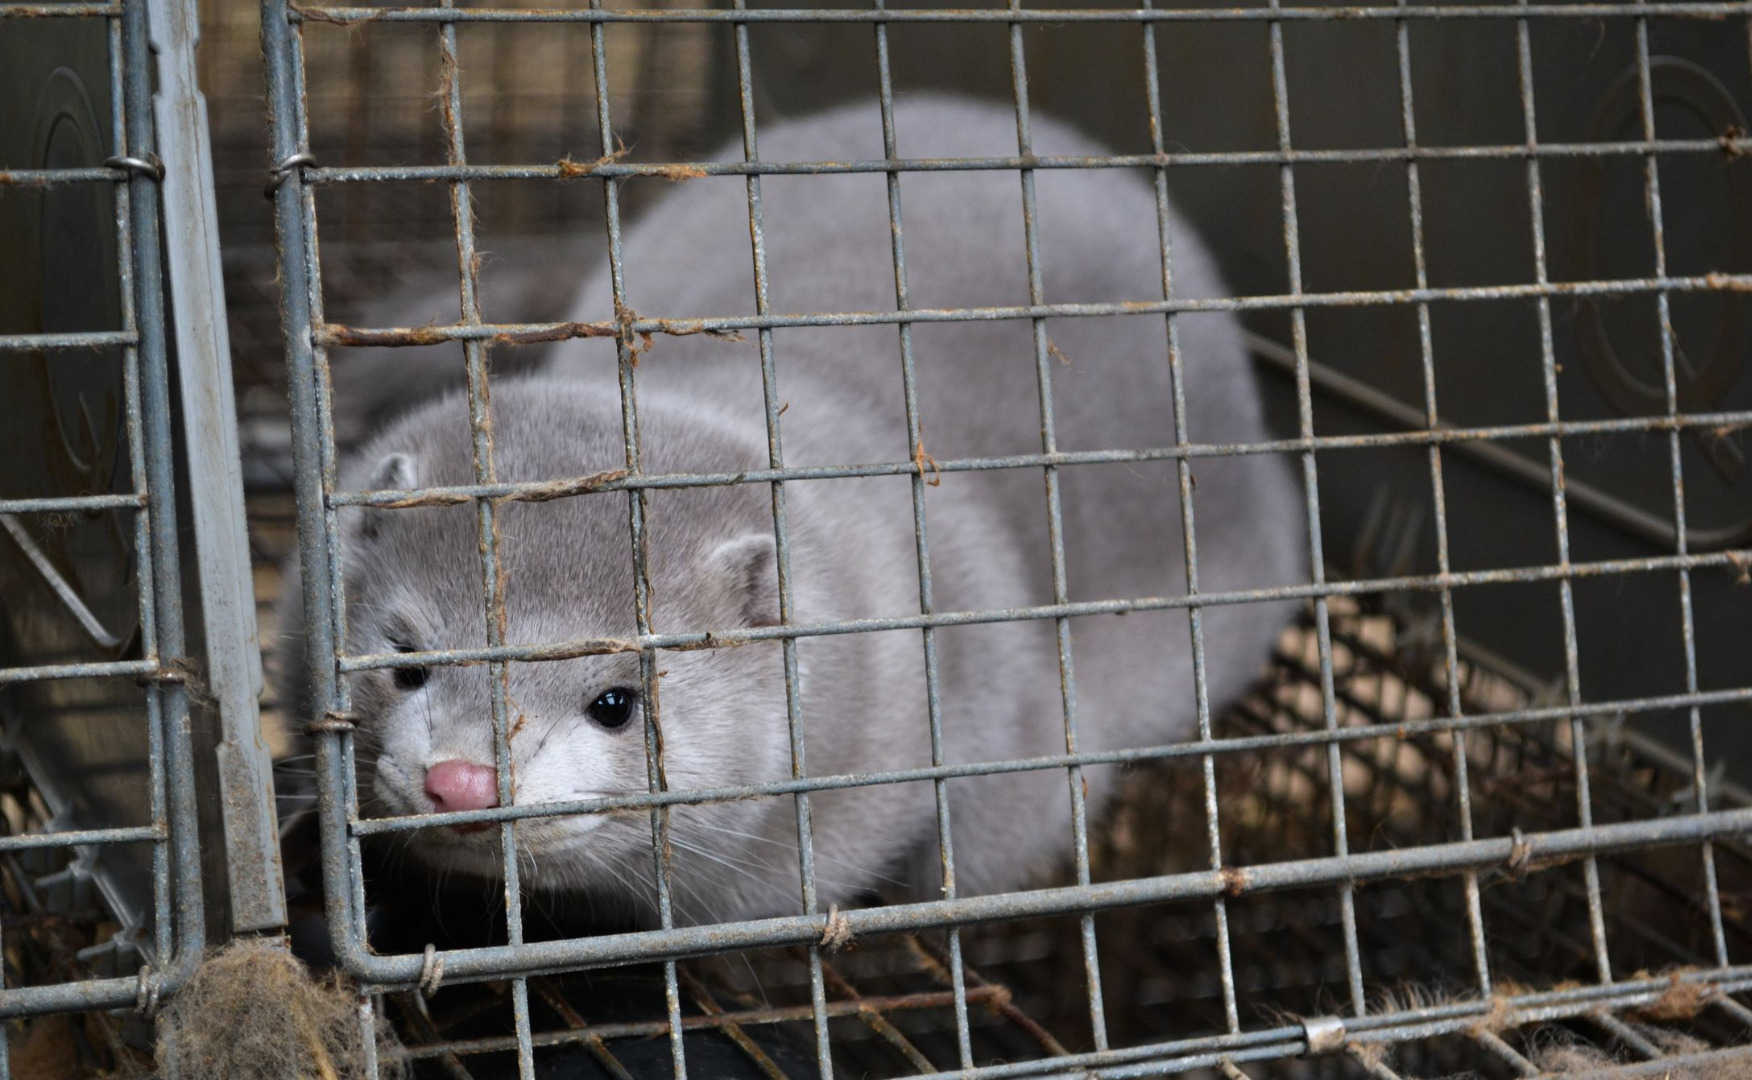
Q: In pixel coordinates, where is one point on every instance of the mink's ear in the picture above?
(746, 570)
(396, 472)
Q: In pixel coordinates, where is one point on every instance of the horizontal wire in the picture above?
(1526, 852)
(332, 335)
(738, 636)
(348, 16)
(570, 170)
(544, 490)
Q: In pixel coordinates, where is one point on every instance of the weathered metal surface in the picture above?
(1291, 290)
(208, 416)
(98, 684)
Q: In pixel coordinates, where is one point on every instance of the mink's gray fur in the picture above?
(413, 577)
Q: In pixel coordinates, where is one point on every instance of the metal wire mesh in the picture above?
(891, 1005)
(1344, 876)
(76, 937)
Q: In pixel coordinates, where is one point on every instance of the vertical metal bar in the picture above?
(922, 548)
(1669, 373)
(492, 571)
(638, 509)
(162, 942)
(169, 693)
(1311, 482)
(781, 539)
(1055, 524)
(312, 476)
(365, 1009)
(1183, 468)
(1572, 664)
(327, 465)
(209, 421)
(1439, 505)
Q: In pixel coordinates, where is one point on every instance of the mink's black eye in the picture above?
(613, 708)
(407, 678)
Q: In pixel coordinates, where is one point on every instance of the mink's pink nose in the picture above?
(461, 785)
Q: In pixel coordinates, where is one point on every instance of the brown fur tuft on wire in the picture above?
(252, 1009)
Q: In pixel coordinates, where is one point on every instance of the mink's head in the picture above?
(579, 727)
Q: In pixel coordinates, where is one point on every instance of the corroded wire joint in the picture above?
(147, 165)
(277, 175)
(333, 720)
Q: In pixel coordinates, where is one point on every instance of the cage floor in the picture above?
(891, 1003)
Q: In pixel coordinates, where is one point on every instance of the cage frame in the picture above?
(135, 172)
(308, 339)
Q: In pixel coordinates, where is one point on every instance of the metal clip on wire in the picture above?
(139, 166)
(332, 720)
(1325, 1035)
(277, 175)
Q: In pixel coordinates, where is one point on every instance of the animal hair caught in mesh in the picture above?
(252, 1009)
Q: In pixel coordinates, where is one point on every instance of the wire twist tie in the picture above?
(177, 672)
(838, 931)
(333, 720)
(431, 972)
(277, 175)
(1520, 854)
(149, 165)
(1325, 1035)
(146, 992)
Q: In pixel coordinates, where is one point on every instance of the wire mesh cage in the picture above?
(94, 613)
(1407, 857)
(1480, 813)
(129, 657)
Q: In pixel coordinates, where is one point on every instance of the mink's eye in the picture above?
(613, 708)
(407, 678)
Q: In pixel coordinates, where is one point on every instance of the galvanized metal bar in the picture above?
(568, 487)
(168, 699)
(1475, 926)
(1055, 527)
(345, 174)
(1687, 9)
(129, 834)
(163, 940)
(45, 177)
(1669, 375)
(348, 903)
(1311, 489)
(638, 511)
(1503, 1052)
(1560, 511)
(82, 339)
(729, 638)
(1189, 535)
(318, 541)
(404, 970)
(1475, 443)
(73, 504)
(1625, 1034)
(509, 333)
(233, 670)
(86, 670)
(1373, 1064)
(781, 540)
(921, 538)
(59, 10)
(485, 472)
